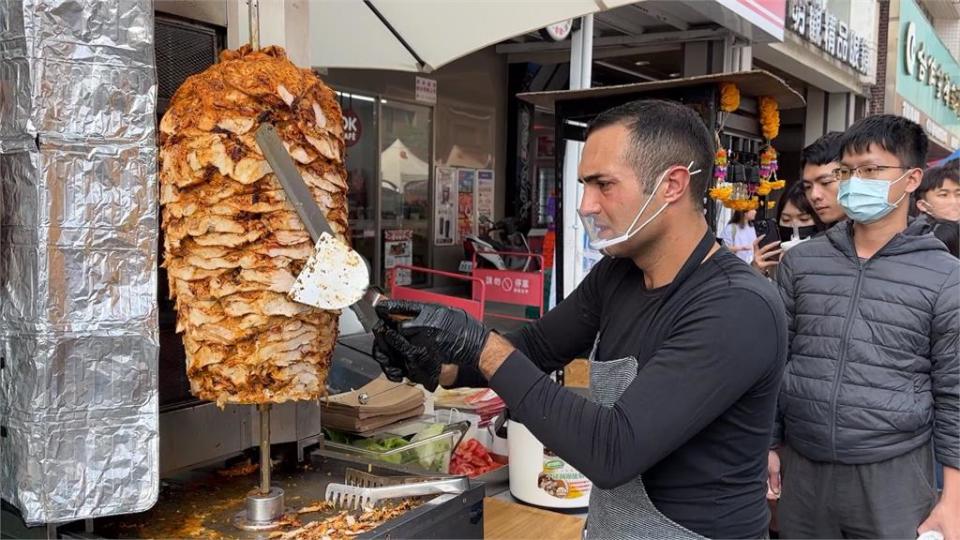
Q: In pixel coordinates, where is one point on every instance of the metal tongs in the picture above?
(364, 490)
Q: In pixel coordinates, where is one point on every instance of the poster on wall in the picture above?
(397, 250)
(445, 207)
(484, 201)
(466, 215)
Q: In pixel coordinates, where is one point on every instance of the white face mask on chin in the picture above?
(594, 229)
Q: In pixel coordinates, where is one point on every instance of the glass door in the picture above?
(406, 154)
(360, 135)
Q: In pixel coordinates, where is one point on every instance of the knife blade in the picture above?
(314, 220)
(297, 191)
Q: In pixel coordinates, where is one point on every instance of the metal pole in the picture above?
(254, 6)
(581, 69)
(264, 409)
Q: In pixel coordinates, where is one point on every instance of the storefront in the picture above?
(829, 55)
(422, 157)
(922, 79)
(632, 44)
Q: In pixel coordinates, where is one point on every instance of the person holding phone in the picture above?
(794, 212)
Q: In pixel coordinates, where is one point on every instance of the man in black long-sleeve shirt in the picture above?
(701, 337)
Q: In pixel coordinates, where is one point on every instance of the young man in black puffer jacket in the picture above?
(870, 392)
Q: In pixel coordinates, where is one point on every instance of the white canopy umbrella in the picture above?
(398, 165)
(423, 35)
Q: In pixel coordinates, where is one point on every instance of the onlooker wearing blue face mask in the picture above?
(871, 392)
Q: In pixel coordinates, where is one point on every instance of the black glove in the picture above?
(391, 361)
(399, 358)
(447, 334)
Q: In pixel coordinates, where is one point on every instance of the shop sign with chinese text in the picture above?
(928, 76)
(813, 21)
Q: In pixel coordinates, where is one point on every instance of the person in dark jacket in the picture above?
(939, 193)
(871, 388)
(817, 163)
(937, 201)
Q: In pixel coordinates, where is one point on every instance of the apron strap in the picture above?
(690, 266)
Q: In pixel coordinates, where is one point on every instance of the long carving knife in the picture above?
(336, 276)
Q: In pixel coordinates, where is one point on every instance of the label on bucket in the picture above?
(560, 480)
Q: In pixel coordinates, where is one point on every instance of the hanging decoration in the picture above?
(770, 126)
(768, 172)
(744, 186)
(729, 97)
(768, 164)
(769, 117)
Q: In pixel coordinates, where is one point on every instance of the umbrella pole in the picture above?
(254, 6)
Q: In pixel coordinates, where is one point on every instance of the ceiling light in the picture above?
(642, 63)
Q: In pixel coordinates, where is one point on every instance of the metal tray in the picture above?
(202, 503)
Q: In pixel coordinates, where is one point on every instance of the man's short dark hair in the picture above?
(663, 134)
(823, 151)
(895, 134)
(934, 177)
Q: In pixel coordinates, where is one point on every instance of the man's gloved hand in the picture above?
(386, 351)
(399, 358)
(417, 338)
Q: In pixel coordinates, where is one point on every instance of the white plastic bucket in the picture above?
(539, 477)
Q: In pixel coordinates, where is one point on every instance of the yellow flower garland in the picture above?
(721, 192)
(743, 205)
(729, 97)
(767, 186)
(769, 117)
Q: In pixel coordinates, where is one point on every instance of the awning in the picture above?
(750, 83)
(422, 35)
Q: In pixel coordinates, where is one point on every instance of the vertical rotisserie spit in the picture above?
(232, 243)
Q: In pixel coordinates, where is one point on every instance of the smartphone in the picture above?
(768, 229)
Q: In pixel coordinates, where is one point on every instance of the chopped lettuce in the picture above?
(434, 456)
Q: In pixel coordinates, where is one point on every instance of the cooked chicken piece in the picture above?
(230, 240)
(233, 244)
(261, 302)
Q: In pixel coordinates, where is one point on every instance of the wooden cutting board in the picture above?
(509, 521)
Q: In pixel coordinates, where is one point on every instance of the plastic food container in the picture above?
(430, 454)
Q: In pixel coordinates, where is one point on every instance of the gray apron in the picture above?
(626, 511)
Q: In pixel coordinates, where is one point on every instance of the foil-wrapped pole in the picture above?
(78, 258)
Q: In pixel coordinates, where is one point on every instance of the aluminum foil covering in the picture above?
(78, 258)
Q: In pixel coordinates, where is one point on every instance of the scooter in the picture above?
(502, 236)
(487, 255)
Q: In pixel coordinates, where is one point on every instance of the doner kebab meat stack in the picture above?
(233, 244)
